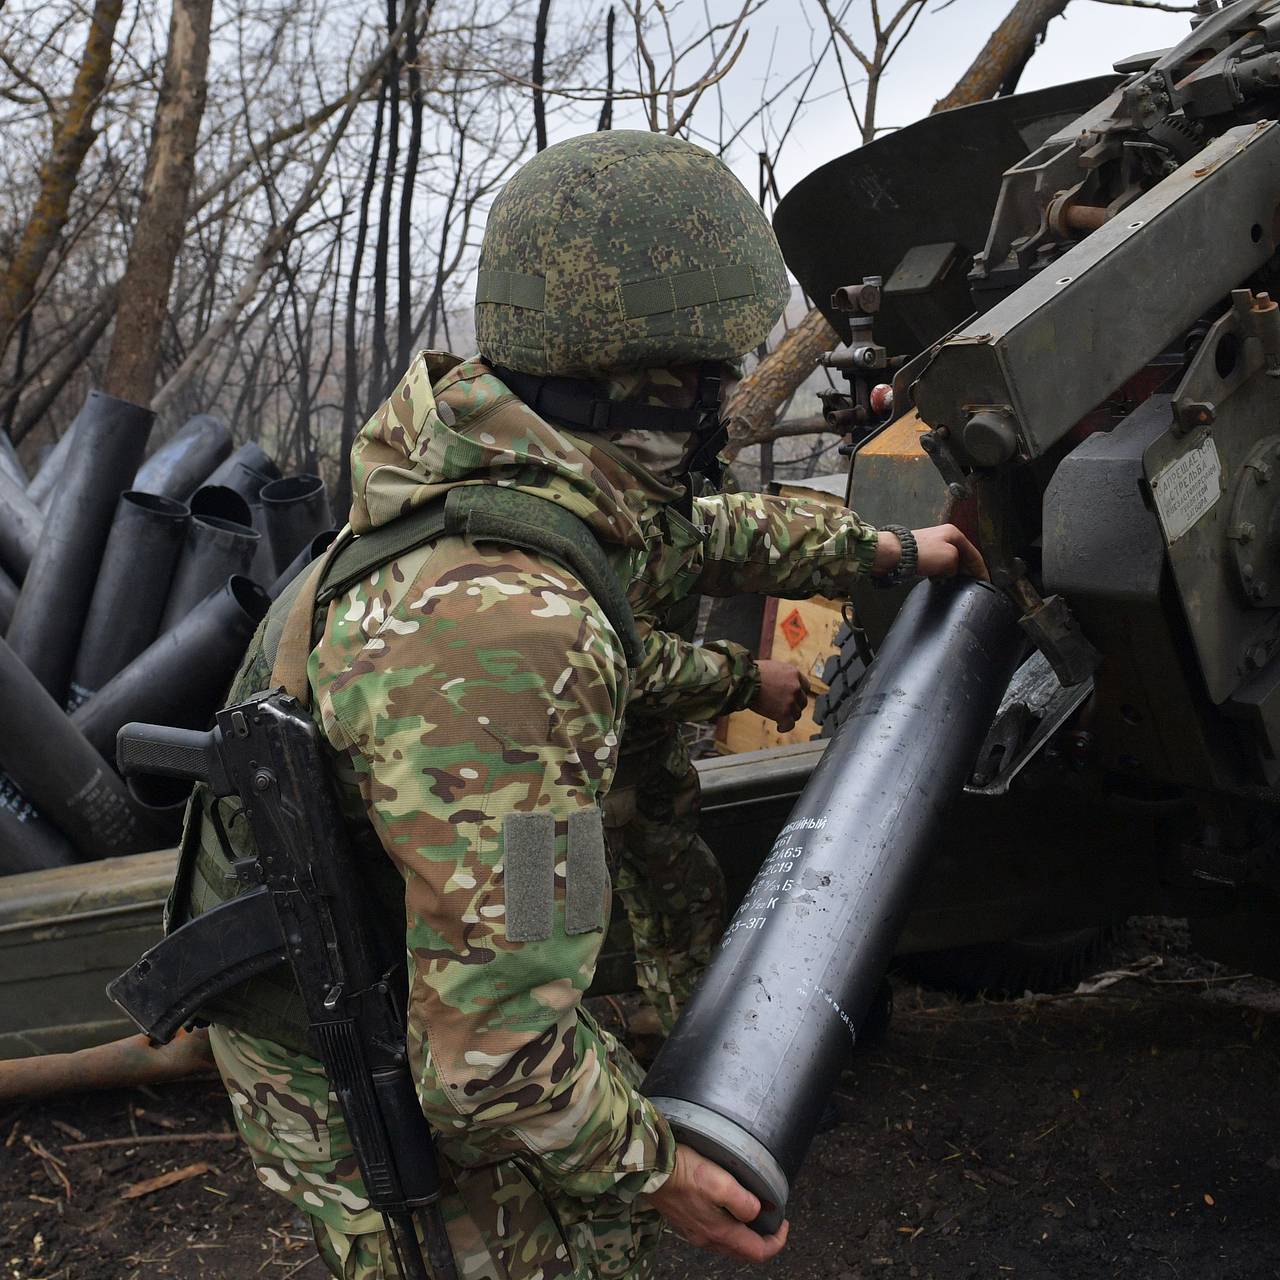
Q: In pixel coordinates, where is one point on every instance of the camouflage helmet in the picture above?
(625, 249)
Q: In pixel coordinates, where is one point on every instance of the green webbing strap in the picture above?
(510, 288)
(690, 289)
(490, 513)
(654, 297)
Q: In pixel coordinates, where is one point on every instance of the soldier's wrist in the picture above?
(887, 554)
(901, 559)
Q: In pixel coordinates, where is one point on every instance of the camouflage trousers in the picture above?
(667, 879)
(301, 1149)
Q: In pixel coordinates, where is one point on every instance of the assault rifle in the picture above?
(307, 904)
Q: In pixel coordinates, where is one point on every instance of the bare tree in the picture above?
(539, 61)
(319, 244)
(997, 67)
(351, 348)
(667, 97)
(73, 135)
(283, 229)
(382, 247)
(887, 38)
(404, 232)
(157, 238)
(606, 107)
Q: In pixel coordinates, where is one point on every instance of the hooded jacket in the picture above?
(508, 1065)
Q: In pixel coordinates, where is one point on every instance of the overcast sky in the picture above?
(787, 36)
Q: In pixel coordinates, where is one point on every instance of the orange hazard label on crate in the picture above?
(793, 628)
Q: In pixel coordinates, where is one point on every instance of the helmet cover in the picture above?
(625, 249)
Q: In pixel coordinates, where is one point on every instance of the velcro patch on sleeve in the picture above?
(586, 873)
(529, 873)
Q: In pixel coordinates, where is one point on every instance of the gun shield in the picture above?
(215, 549)
(178, 467)
(182, 677)
(246, 471)
(294, 510)
(45, 632)
(133, 585)
(52, 763)
(28, 840)
(752, 1061)
(20, 524)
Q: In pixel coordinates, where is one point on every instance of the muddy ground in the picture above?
(1132, 1132)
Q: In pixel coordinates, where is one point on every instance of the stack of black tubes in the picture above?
(130, 586)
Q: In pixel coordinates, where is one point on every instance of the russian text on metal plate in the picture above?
(1186, 488)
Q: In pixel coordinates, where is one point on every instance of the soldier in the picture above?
(666, 877)
(472, 691)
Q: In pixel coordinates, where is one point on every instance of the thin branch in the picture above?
(539, 58)
(280, 233)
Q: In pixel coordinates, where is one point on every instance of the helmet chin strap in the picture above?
(711, 435)
(578, 405)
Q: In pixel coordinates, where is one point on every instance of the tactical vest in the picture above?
(216, 853)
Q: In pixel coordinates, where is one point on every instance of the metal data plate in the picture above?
(1187, 488)
(1189, 477)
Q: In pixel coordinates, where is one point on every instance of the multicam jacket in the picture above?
(506, 1061)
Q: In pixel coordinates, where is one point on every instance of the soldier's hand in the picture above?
(784, 692)
(944, 552)
(710, 1208)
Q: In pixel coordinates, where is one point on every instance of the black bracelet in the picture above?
(906, 568)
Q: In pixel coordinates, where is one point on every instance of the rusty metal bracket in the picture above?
(938, 445)
(1243, 342)
(1053, 629)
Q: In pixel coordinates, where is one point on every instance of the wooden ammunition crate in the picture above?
(64, 934)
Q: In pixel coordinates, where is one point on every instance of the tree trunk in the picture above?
(606, 109)
(73, 135)
(404, 307)
(382, 371)
(280, 234)
(539, 58)
(351, 350)
(134, 359)
(73, 355)
(1008, 49)
(752, 407)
